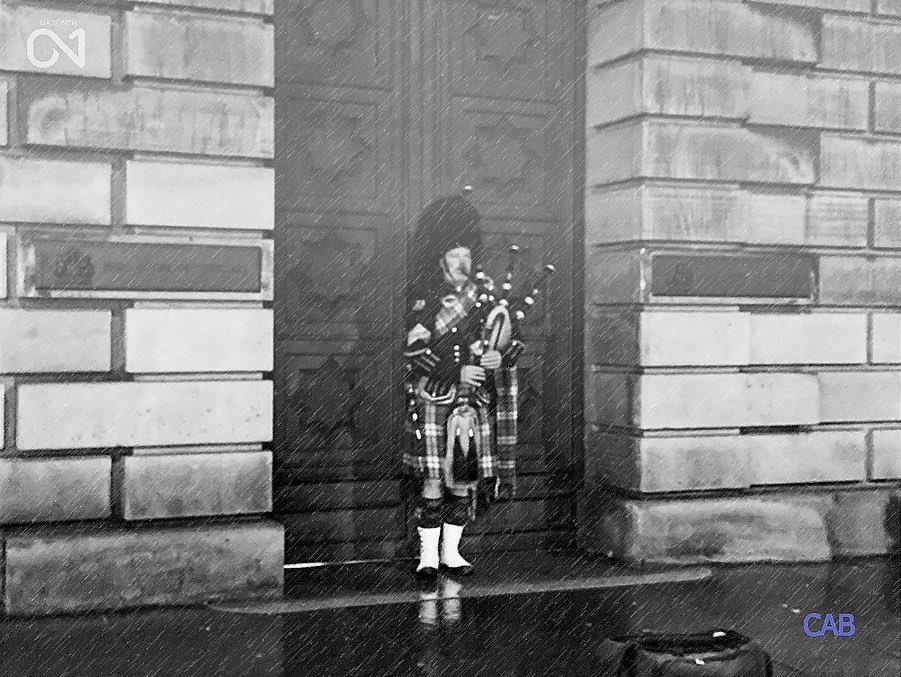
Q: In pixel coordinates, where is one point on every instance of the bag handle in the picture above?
(615, 659)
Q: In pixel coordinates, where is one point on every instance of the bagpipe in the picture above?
(495, 318)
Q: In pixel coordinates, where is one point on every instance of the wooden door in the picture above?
(381, 106)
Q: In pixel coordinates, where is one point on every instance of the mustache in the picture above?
(463, 267)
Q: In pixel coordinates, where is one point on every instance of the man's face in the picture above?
(456, 264)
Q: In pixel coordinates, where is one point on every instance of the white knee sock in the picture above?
(428, 547)
(450, 543)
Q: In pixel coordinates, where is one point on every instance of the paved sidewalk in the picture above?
(334, 622)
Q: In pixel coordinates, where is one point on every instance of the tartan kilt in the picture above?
(424, 458)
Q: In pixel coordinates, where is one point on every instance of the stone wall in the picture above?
(136, 210)
(743, 253)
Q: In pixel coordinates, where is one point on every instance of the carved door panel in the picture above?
(382, 105)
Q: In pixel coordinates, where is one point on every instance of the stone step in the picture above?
(785, 527)
(70, 569)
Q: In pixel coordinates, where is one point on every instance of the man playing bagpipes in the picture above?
(462, 391)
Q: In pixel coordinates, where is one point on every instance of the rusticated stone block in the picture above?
(67, 569)
(659, 339)
(683, 401)
(665, 212)
(56, 192)
(89, 415)
(714, 27)
(773, 217)
(54, 340)
(886, 459)
(661, 211)
(781, 399)
(162, 486)
(54, 489)
(667, 85)
(248, 6)
(198, 340)
(847, 162)
(613, 92)
(3, 114)
(859, 522)
(857, 281)
(887, 117)
(684, 150)
(690, 531)
(844, 5)
(199, 196)
(658, 464)
(885, 338)
(889, 7)
(67, 113)
(665, 338)
(3, 265)
(857, 44)
(212, 49)
(860, 396)
(700, 87)
(614, 153)
(729, 28)
(86, 35)
(837, 219)
(887, 226)
(804, 101)
(804, 458)
(819, 338)
(615, 30)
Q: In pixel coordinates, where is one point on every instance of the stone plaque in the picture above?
(79, 265)
(733, 275)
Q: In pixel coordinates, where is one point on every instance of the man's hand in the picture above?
(472, 375)
(491, 359)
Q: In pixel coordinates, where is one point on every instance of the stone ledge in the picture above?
(69, 569)
(808, 526)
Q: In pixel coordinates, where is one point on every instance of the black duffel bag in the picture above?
(715, 653)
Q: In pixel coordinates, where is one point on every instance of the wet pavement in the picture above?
(521, 614)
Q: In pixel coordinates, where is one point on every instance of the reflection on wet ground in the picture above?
(445, 630)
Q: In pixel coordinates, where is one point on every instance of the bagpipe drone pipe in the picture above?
(495, 319)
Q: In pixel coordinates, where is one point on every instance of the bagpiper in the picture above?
(462, 394)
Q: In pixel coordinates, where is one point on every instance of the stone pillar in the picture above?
(743, 271)
(136, 210)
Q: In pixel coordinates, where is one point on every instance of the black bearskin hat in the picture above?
(445, 223)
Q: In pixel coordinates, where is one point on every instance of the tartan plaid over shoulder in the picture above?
(496, 404)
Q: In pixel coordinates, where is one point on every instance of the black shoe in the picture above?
(427, 574)
(465, 570)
